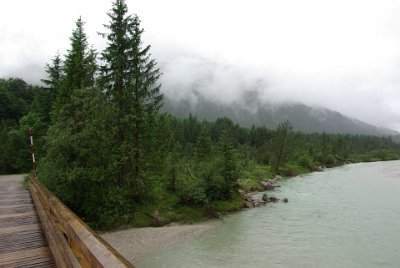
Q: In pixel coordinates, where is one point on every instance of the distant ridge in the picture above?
(304, 118)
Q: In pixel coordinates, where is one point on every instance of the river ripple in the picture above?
(343, 217)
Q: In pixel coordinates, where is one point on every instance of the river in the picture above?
(342, 217)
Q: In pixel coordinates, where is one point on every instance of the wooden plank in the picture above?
(22, 242)
(18, 222)
(15, 215)
(26, 234)
(9, 258)
(25, 196)
(15, 196)
(16, 206)
(23, 246)
(13, 202)
(14, 192)
(19, 209)
(15, 229)
(37, 264)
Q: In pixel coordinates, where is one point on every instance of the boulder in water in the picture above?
(249, 204)
(258, 203)
(268, 185)
(273, 199)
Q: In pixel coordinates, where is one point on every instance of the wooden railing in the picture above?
(71, 241)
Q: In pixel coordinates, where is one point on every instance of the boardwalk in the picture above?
(22, 242)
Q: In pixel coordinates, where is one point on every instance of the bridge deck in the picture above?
(22, 242)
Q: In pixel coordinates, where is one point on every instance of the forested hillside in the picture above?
(106, 150)
(252, 111)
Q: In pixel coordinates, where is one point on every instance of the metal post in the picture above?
(33, 151)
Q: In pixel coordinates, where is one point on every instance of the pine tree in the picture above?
(281, 144)
(80, 61)
(46, 96)
(203, 146)
(79, 66)
(130, 78)
(55, 73)
(230, 167)
(79, 161)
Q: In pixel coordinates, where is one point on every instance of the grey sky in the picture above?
(343, 55)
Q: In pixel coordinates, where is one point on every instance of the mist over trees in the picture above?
(106, 150)
(250, 109)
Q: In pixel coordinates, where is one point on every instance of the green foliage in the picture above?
(79, 163)
(130, 78)
(291, 170)
(15, 98)
(77, 72)
(18, 156)
(305, 161)
(55, 75)
(235, 203)
(251, 176)
(230, 165)
(185, 214)
(26, 182)
(203, 146)
(191, 190)
(106, 151)
(329, 159)
(282, 145)
(80, 61)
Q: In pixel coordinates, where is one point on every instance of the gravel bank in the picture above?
(137, 242)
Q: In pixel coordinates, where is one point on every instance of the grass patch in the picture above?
(26, 182)
(250, 185)
(291, 170)
(236, 203)
(184, 214)
(142, 219)
(251, 177)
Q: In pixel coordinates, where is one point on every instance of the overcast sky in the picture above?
(343, 55)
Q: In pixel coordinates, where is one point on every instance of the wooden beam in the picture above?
(71, 241)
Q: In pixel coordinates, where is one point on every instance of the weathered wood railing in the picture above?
(71, 241)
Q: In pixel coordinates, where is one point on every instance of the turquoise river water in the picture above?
(342, 217)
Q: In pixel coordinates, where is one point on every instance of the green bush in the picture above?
(305, 161)
(291, 170)
(191, 190)
(330, 160)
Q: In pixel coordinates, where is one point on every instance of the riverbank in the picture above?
(136, 243)
(329, 215)
(169, 210)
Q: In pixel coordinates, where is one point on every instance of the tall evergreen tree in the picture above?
(130, 78)
(230, 167)
(80, 61)
(54, 73)
(46, 96)
(203, 145)
(281, 144)
(79, 66)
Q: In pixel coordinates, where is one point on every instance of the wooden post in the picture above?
(33, 151)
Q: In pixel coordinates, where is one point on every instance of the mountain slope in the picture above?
(304, 118)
